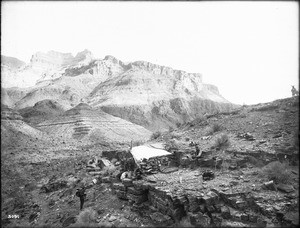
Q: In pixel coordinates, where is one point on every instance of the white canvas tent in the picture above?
(147, 151)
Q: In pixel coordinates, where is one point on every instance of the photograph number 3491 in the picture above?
(13, 216)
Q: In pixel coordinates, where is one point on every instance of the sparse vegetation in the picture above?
(214, 128)
(138, 143)
(86, 218)
(109, 170)
(178, 124)
(171, 129)
(171, 145)
(222, 142)
(225, 165)
(175, 136)
(242, 115)
(277, 171)
(254, 161)
(224, 158)
(155, 135)
(201, 120)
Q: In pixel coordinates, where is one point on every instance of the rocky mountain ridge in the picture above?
(11, 62)
(141, 92)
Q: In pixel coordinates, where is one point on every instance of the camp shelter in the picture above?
(147, 151)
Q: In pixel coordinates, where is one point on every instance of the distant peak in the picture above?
(84, 52)
(82, 106)
(110, 57)
(113, 60)
(52, 52)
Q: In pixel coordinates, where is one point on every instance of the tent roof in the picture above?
(147, 151)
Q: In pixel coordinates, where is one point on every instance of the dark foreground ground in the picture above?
(239, 195)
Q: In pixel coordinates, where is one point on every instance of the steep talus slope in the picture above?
(87, 124)
(15, 132)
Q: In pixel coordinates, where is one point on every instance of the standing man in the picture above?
(294, 91)
(81, 194)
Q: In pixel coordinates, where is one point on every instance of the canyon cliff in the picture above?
(141, 92)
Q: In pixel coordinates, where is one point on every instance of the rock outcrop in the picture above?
(42, 111)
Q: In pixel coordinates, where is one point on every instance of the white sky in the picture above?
(248, 49)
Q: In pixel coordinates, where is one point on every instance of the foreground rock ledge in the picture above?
(183, 195)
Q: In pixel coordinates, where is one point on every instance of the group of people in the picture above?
(129, 170)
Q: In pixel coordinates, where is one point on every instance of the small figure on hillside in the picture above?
(81, 194)
(294, 91)
(197, 149)
(129, 164)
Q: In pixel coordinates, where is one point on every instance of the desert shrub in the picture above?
(214, 128)
(222, 142)
(86, 218)
(184, 222)
(254, 161)
(277, 171)
(171, 145)
(178, 124)
(109, 170)
(225, 165)
(242, 115)
(138, 143)
(224, 158)
(201, 120)
(175, 136)
(171, 129)
(155, 135)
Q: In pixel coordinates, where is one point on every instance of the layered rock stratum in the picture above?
(85, 123)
